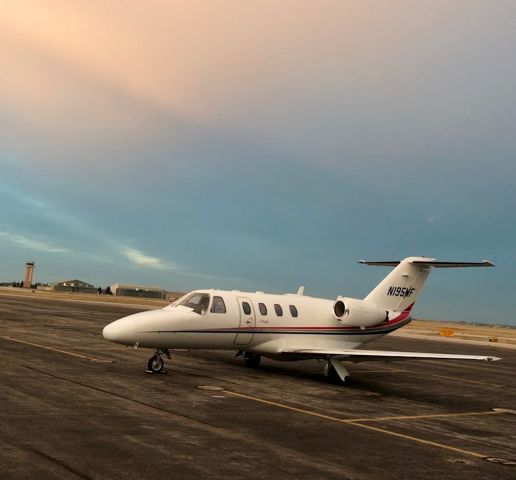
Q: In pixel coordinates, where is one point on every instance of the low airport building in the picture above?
(74, 286)
(140, 291)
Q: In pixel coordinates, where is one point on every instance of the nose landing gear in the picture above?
(156, 363)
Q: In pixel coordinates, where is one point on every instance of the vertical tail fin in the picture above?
(401, 287)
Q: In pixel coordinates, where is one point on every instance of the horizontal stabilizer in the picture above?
(365, 355)
(404, 283)
(431, 263)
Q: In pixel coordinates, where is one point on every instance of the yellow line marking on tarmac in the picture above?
(505, 410)
(85, 357)
(357, 422)
(446, 377)
(422, 417)
(378, 371)
(287, 407)
(456, 379)
(421, 440)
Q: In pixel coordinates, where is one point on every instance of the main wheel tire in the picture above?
(155, 364)
(251, 359)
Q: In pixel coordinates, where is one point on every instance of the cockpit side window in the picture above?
(218, 305)
(198, 302)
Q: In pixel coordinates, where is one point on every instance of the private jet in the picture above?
(288, 326)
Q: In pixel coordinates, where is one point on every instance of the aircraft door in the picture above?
(247, 321)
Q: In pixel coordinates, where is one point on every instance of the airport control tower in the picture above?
(29, 271)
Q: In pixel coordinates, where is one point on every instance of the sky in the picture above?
(261, 145)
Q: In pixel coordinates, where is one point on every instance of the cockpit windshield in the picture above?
(177, 301)
(197, 301)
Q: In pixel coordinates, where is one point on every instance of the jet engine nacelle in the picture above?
(356, 313)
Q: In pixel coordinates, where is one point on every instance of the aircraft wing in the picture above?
(365, 355)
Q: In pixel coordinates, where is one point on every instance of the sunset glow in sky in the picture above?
(261, 145)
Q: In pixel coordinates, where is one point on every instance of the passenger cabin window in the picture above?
(263, 309)
(246, 308)
(218, 305)
(278, 309)
(198, 302)
(293, 310)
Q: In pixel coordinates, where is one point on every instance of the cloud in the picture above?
(31, 244)
(435, 216)
(110, 245)
(142, 260)
(54, 215)
(188, 57)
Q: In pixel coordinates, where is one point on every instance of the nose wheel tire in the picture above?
(251, 359)
(155, 364)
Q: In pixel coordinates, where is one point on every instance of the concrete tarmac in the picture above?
(76, 406)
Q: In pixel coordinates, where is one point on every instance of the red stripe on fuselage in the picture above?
(400, 318)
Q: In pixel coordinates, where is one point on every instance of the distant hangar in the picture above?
(75, 286)
(138, 291)
(119, 289)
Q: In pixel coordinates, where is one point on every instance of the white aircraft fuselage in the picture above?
(285, 327)
(305, 322)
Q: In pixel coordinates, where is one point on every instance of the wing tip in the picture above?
(487, 263)
(492, 359)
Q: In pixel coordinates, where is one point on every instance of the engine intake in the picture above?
(339, 308)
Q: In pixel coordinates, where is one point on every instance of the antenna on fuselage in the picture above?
(300, 290)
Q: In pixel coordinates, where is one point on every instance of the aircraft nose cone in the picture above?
(119, 331)
(110, 332)
(135, 328)
(125, 330)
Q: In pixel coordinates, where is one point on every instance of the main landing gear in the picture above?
(335, 371)
(156, 363)
(251, 360)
